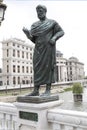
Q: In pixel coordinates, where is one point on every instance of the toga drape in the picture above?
(44, 58)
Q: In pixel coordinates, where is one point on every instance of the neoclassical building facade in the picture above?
(75, 69)
(17, 62)
(61, 68)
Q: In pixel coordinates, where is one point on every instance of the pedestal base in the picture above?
(37, 99)
(32, 116)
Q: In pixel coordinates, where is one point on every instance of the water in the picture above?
(69, 104)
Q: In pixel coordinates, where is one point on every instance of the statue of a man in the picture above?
(44, 33)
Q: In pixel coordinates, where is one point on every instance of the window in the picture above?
(7, 68)
(18, 53)
(30, 49)
(18, 67)
(22, 54)
(26, 48)
(31, 80)
(23, 47)
(18, 46)
(27, 55)
(18, 80)
(7, 52)
(14, 53)
(71, 68)
(14, 68)
(30, 69)
(23, 81)
(22, 69)
(31, 56)
(14, 80)
(27, 81)
(13, 44)
(70, 63)
(27, 69)
(70, 72)
(7, 80)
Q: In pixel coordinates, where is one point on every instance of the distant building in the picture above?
(75, 69)
(61, 68)
(17, 62)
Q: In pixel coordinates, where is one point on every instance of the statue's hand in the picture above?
(25, 30)
(52, 42)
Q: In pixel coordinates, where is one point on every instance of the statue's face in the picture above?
(41, 13)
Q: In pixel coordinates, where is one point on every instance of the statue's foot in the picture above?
(47, 93)
(33, 94)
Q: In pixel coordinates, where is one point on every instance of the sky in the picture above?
(71, 16)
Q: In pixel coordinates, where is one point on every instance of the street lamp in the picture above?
(2, 10)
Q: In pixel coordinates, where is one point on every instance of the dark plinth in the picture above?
(37, 99)
(78, 97)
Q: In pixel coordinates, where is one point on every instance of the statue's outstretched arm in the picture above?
(27, 33)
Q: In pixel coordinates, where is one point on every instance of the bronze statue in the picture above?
(44, 33)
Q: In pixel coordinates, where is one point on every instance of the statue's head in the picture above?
(41, 7)
(41, 11)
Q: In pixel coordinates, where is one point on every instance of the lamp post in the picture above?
(5, 88)
(20, 84)
(2, 10)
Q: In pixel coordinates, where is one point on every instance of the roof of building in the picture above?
(18, 41)
(74, 59)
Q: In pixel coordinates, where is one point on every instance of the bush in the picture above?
(77, 88)
(68, 89)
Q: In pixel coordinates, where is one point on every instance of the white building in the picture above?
(17, 62)
(68, 69)
(75, 69)
(61, 67)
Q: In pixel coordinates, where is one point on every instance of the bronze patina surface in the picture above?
(37, 99)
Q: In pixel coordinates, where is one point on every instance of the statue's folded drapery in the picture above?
(44, 58)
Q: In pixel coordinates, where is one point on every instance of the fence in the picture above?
(8, 116)
(58, 119)
(67, 119)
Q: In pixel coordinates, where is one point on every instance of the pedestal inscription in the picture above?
(28, 116)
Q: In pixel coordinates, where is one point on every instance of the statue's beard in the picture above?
(41, 17)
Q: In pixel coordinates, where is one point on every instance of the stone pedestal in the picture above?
(33, 116)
